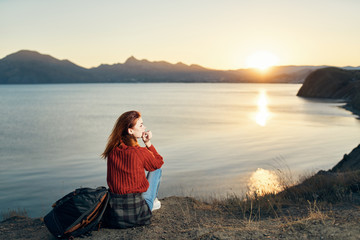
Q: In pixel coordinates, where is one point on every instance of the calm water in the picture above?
(212, 136)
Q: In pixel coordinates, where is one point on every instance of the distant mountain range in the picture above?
(30, 67)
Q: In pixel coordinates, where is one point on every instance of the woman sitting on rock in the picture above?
(133, 195)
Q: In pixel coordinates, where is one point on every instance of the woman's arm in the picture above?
(152, 159)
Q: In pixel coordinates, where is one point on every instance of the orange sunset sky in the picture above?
(225, 34)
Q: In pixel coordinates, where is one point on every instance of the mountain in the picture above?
(134, 70)
(28, 67)
(333, 83)
(32, 67)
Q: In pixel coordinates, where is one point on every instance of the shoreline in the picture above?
(352, 109)
(187, 218)
(232, 218)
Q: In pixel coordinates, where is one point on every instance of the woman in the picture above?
(132, 195)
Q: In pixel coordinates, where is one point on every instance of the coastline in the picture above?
(187, 218)
(281, 217)
(352, 109)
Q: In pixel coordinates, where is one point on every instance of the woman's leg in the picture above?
(154, 181)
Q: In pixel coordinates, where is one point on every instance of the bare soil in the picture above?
(187, 218)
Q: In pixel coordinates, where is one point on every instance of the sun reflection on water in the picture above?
(264, 181)
(263, 112)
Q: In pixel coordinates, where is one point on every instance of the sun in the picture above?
(261, 60)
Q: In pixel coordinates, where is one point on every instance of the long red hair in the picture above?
(120, 132)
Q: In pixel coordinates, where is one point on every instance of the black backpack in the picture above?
(77, 212)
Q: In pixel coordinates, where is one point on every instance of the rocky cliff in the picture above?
(350, 162)
(333, 83)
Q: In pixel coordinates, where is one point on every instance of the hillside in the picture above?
(349, 162)
(30, 67)
(333, 83)
(26, 67)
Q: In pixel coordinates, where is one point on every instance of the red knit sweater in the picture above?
(126, 168)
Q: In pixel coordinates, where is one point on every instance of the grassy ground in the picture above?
(317, 192)
(323, 206)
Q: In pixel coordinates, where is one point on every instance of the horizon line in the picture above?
(180, 62)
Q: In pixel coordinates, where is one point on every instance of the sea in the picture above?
(213, 137)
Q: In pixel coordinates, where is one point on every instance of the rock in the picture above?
(336, 83)
(350, 162)
(333, 83)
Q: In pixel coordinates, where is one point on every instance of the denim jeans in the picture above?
(154, 183)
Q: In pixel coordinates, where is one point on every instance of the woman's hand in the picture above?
(146, 136)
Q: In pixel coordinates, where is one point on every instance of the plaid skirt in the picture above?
(128, 210)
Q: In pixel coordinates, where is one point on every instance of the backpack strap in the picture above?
(92, 214)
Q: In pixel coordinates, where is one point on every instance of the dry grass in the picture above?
(325, 187)
(315, 215)
(14, 213)
(310, 200)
